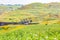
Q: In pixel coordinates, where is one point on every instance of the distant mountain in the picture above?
(55, 7)
(32, 6)
(8, 7)
(11, 5)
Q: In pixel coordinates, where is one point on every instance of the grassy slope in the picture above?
(34, 32)
(34, 9)
(15, 16)
(42, 10)
(31, 32)
(8, 28)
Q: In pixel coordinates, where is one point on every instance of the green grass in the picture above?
(34, 32)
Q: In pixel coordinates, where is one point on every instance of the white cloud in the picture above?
(25, 1)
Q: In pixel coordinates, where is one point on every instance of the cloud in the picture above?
(25, 1)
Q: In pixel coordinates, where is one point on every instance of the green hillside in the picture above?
(50, 11)
(42, 10)
(8, 8)
(35, 21)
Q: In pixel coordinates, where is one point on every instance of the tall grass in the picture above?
(34, 32)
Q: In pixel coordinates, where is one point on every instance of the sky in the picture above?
(24, 2)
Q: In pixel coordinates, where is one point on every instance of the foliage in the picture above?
(34, 32)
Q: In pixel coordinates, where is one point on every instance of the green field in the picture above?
(34, 32)
(38, 12)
